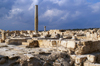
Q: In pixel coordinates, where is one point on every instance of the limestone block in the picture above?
(80, 60)
(34, 44)
(73, 56)
(40, 43)
(46, 43)
(3, 35)
(32, 35)
(71, 44)
(25, 43)
(74, 37)
(91, 58)
(34, 38)
(67, 36)
(7, 41)
(57, 64)
(88, 34)
(91, 64)
(79, 64)
(57, 36)
(30, 40)
(35, 35)
(13, 57)
(54, 43)
(87, 47)
(98, 38)
(61, 49)
(64, 43)
(29, 55)
(15, 41)
(1, 40)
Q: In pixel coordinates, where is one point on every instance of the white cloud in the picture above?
(59, 2)
(77, 13)
(52, 13)
(14, 12)
(65, 16)
(34, 2)
(95, 7)
(68, 2)
(78, 2)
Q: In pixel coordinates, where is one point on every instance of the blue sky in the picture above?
(55, 14)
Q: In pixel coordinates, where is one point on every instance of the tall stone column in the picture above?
(36, 19)
(44, 28)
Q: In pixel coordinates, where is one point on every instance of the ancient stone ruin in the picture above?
(50, 48)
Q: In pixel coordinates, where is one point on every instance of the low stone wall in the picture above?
(85, 47)
(78, 47)
(91, 64)
(16, 41)
(87, 59)
(48, 43)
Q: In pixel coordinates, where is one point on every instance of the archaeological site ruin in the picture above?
(49, 48)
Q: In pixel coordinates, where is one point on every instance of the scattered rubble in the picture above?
(56, 48)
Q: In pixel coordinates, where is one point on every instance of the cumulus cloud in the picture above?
(77, 13)
(60, 2)
(55, 14)
(52, 13)
(14, 12)
(65, 16)
(34, 2)
(95, 7)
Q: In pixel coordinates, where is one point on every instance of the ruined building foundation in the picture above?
(50, 48)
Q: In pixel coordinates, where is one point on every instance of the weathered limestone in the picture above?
(15, 41)
(31, 43)
(1, 41)
(92, 46)
(64, 43)
(3, 35)
(83, 45)
(71, 44)
(79, 61)
(54, 43)
(91, 64)
(91, 58)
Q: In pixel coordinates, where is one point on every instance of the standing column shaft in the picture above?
(44, 28)
(36, 19)
(3, 35)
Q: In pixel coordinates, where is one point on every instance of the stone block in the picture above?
(31, 44)
(91, 58)
(30, 40)
(1, 41)
(80, 59)
(29, 55)
(15, 41)
(91, 64)
(54, 43)
(25, 43)
(64, 43)
(71, 44)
